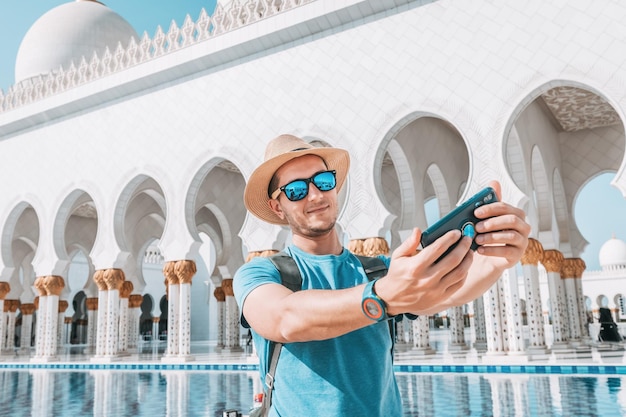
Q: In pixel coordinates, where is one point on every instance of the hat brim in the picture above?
(255, 195)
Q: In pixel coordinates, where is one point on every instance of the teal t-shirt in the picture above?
(351, 375)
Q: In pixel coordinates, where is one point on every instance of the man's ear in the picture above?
(276, 208)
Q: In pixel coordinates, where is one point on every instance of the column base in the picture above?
(24, 351)
(458, 347)
(538, 353)
(515, 358)
(44, 359)
(105, 359)
(422, 351)
(229, 349)
(178, 359)
(480, 347)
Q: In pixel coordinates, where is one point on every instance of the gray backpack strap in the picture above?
(288, 269)
(373, 266)
(291, 278)
(269, 380)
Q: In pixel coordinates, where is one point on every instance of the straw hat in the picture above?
(280, 150)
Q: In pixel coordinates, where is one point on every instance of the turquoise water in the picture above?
(44, 392)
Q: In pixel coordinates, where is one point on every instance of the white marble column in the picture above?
(134, 314)
(27, 310)
(41, 305)
(493, 320)
(114, 279)
(513, 310)
(231, 334)
(457, 329)
(155, 329)
(54, 284)
(173, 298)
(221, 311)
(4, 290)
(479, 325)
(123, 330)
(92, 324)
(580, 300)
(553, 260)
(421, 336)
(10, 309)
(571, 303)
(179, 275)
(103, 305)
(63, 332)
(534, 311)
(185, 270)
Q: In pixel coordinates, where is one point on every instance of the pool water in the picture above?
(45, 392)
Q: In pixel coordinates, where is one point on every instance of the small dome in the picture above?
(613, 253)
(67, 33)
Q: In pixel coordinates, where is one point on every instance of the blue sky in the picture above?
(599, 211)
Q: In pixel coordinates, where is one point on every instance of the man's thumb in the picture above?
(410, 244)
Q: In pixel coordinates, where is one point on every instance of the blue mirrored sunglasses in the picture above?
(296, 190)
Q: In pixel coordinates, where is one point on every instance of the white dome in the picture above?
(67, 33)
(613, 253)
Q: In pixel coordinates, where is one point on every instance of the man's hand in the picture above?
(418, 285)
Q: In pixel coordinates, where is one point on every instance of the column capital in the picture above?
(260, 253)
(573, 268)
(126, 288)
(98, 278)
(552, 260)
(54, 284)
(92, 303)
(40, 286)
(63, 306)
(533, 253)
(27, 308)
(12, 305)
(5, 288)
(114, 278)
(371, 246)
(227, 286)
(219, 294)
(185, 270)
(169, 272)
(156, 319)
(135, 300)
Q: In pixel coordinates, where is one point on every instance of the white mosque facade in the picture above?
(124, 158)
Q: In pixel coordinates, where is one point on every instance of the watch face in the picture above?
(372, 309)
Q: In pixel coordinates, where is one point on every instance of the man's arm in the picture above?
(416, 284)
(278, 314)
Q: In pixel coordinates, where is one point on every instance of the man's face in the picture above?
(315, 215)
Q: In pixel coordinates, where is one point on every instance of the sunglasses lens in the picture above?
(296, 190)
(325, 181)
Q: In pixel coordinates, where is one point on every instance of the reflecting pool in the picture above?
(45, 392)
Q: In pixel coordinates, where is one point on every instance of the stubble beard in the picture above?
(311, 230)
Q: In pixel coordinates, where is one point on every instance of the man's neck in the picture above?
(327, 244)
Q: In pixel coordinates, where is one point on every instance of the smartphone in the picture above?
(461, 218)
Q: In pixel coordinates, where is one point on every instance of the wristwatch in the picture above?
(373, 306)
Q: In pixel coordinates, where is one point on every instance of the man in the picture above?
(335, 360)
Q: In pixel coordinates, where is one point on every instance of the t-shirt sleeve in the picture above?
(257, 272)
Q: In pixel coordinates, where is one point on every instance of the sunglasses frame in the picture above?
(307, 181)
